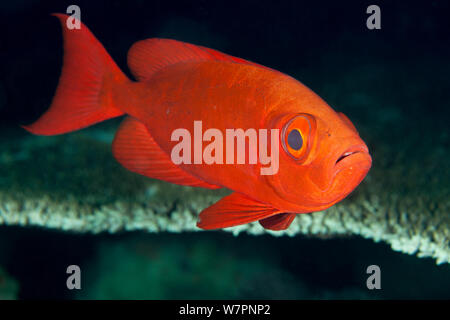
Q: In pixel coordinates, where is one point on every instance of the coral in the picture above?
(72, 182)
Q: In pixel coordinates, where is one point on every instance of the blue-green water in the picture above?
(392, 83)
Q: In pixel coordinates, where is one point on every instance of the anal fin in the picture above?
(135, 149)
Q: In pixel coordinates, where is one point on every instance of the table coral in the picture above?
(72, 182)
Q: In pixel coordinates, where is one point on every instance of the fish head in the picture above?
(321, 159)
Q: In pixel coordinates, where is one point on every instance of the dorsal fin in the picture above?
(134, 148)
(149, 56)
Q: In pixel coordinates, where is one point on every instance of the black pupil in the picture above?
(295, 140)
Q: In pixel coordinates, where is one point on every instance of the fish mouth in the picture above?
(350, 168)
(345, 155)
(350, 153)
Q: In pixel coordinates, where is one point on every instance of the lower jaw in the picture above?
(319, 203)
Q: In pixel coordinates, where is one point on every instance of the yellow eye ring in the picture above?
(297, 135)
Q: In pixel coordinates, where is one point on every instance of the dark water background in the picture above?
(404, 64)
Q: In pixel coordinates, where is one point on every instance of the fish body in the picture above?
(320, 156)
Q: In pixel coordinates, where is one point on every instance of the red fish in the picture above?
(321, 157)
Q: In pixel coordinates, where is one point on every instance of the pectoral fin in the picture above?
(234, 210)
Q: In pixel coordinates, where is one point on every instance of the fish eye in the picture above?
(297, 136)
(295, 140)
